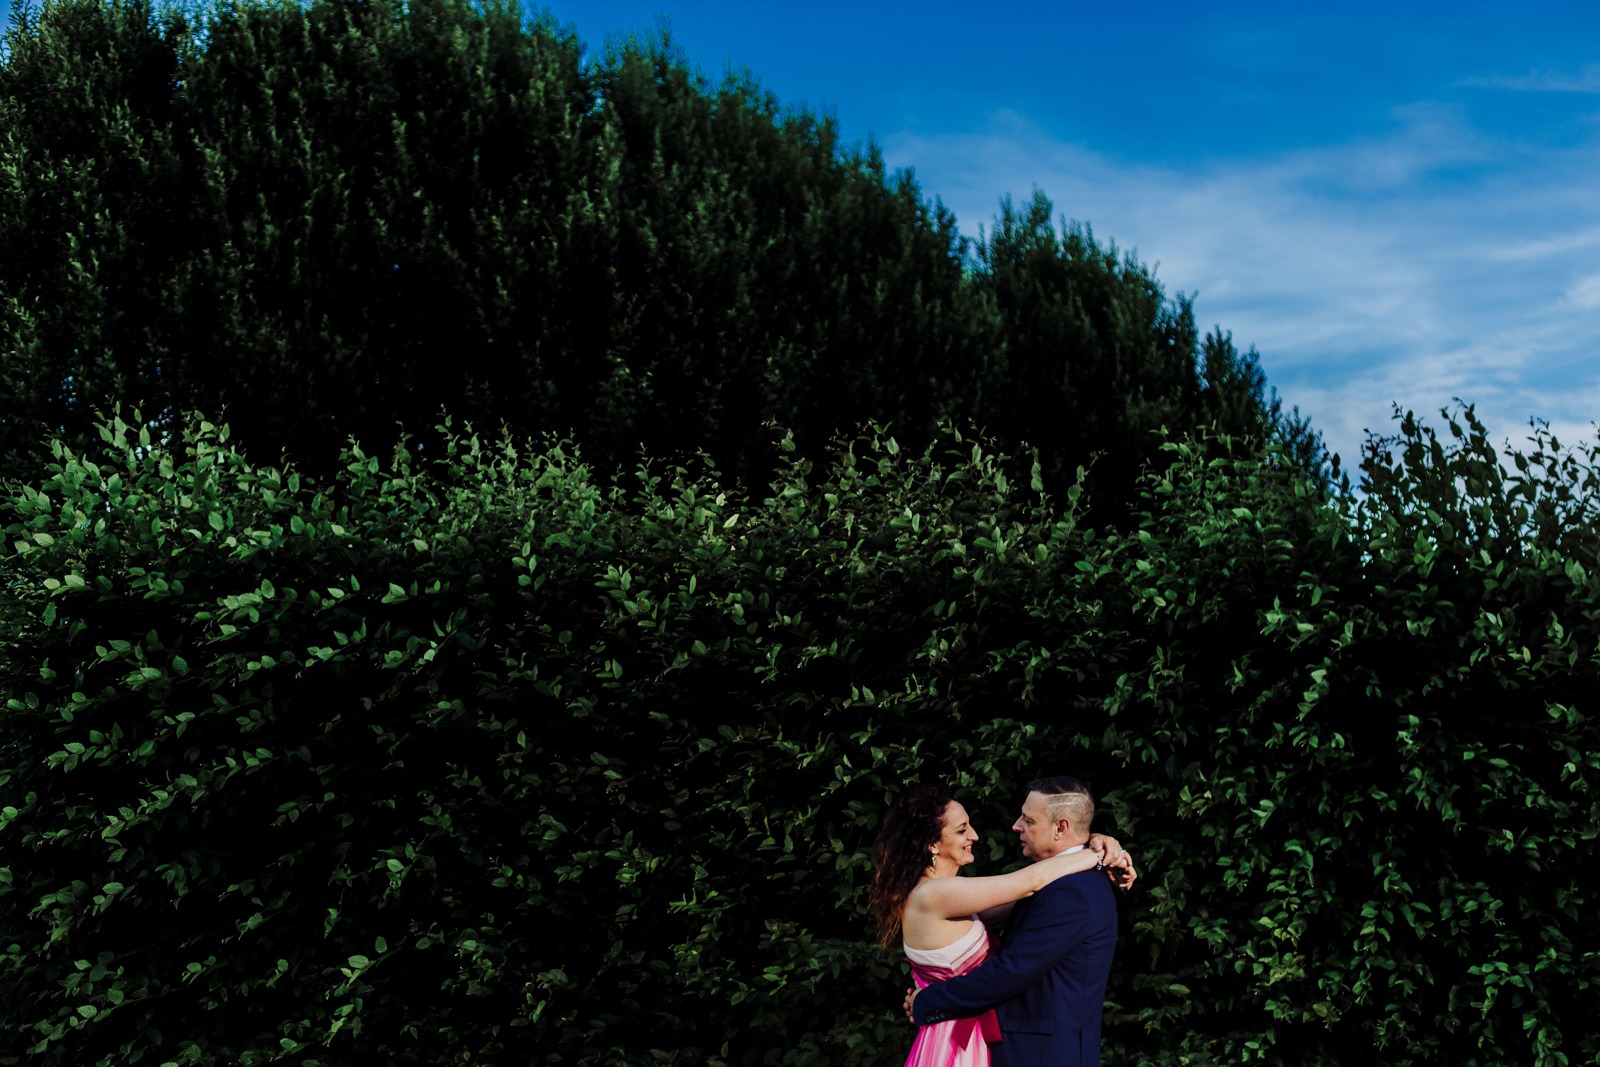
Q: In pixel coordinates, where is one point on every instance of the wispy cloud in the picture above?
(1544, 81)
(1411, 269)
(1585, 293)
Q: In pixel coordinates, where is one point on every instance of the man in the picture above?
(1048, 983)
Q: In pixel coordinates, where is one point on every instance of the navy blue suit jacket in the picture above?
(1048, 983)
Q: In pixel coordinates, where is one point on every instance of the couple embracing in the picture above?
(1036, 997)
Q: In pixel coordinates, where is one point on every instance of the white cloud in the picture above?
(1554, 245)
(1585, 293)
(1364, 277)
(1545, 81)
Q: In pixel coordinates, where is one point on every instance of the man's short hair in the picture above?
(1066, 797)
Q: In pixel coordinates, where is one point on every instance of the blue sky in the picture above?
(1396, 203)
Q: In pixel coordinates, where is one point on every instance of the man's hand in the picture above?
(1115, 858)
(911, 994)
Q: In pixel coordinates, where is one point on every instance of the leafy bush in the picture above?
(495, 762)
(1380, 719)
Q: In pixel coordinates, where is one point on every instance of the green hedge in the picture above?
(495, 762)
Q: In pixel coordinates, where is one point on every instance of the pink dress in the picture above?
(954, 1042)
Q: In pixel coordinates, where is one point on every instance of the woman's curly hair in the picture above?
(900, 855)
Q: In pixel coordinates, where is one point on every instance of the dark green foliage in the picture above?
(329, 220)
(1098, 361)
(326, 220)
(498, 763)
(1385, 729)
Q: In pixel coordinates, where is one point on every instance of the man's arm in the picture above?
(1052, 926)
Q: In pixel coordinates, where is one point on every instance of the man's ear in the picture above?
(1063, 827)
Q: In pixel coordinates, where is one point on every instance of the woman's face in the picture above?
(955, 840)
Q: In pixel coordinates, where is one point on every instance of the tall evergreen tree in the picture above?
(334, 219)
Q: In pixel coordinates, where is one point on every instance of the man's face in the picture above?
(1038, 833)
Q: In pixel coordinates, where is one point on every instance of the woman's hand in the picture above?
(1115, 858)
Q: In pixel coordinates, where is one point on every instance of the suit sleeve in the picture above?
(1053, 924)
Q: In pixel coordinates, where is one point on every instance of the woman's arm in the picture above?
(956, 898)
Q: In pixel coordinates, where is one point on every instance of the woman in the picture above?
(940, 920)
